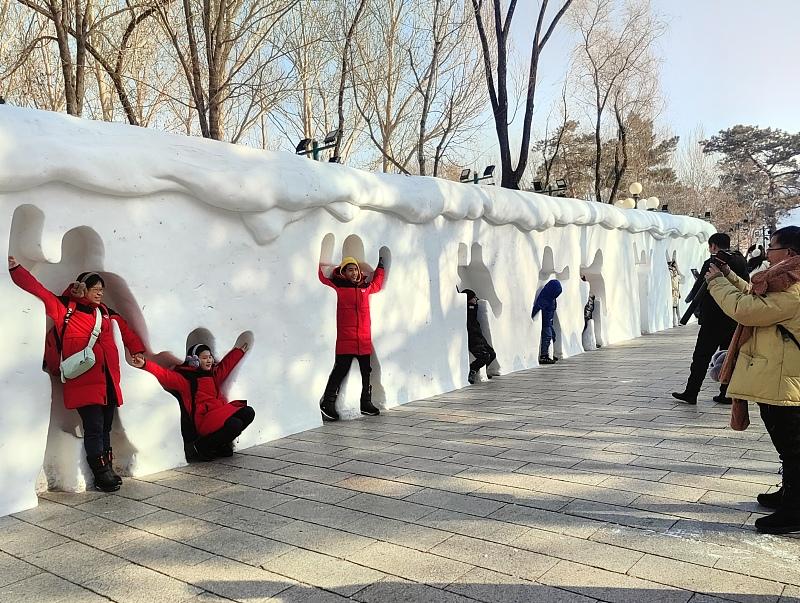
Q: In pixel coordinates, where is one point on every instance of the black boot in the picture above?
(367, 408)
(771, 500)
(103, 478)
(471, 376)
(685, 397)
(327, 406)
(109, 456)
(225, 450)
(547, 360)
(787, 518)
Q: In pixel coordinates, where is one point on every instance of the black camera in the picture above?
(721, 258)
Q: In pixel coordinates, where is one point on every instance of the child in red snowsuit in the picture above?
(209, 423)
(353, 332)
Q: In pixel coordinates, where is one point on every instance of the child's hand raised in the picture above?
(12, 262)
(244, 346)
(137, 360)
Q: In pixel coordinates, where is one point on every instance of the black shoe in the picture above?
(201, 453)
(327, 406)
(226, 450)
(771, 500)
(684, 397)
(783, 521)
(103, 479)
(471, 377)
(109, 457)
(720, 399)
(547, 360)
(367, 407)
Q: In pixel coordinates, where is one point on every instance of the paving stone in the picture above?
(234, 580)
(320, 538)
(410, 564)
(307, 594)
(186, 503)
(133, 584)
(625, 516)
(494, 587)
(462, 503)
(382, 487)
(240, 546)
(256, 463)
(50, 514)
(18, 537)
(317, 512)
(521, 496)
(117, 508)
(387, 507)
(254, 498)
(394, 590)
(439, 482)
(572, 525)
(728, 585)
(330, 573)
(314, 474)
(168, 524)
(47, 588)
(410, 535)
(75, 561)
(246, 519)
(13, 569)
(161, 554)
(138, 489)
(470, 525)
(610, 586)
(321, 492)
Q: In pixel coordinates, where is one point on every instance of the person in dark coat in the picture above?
(716, 328)
(476, 343)
(209, 423)
(96, 393)
(546, 303)
(353, 332)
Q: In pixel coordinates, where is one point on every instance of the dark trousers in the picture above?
(483, 352)
(548, 332)
(97, 420)
(710, 338)
(231, 429)
(783, 426)
(340, 369)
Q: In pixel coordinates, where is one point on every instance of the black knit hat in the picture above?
(469, 293)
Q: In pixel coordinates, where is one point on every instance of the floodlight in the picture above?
(331, 136)
(335, 159)
(488, 171)
(561, 183)
(303, 146)
(465, 174)
(707, 215)
(537, 186)
(665, 207)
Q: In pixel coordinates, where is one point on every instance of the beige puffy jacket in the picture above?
(768, 367)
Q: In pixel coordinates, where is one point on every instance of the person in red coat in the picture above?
(209, 423)
(353, 332)
(96, 393)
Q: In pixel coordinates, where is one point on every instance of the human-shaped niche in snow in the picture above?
(474, 274)
(592, 275)
(353, 247)
(644, 267)
(547, 272)
(82, 250)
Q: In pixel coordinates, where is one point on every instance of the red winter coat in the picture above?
(211, 407)
(353, 327)
(92, 386)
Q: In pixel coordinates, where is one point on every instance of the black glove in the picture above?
(380, 262)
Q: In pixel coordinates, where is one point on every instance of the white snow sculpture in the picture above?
(197, 234)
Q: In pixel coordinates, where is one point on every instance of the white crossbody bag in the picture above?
(80, 362)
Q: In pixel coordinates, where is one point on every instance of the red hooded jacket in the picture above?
(211, 408)
(353, 326)
(92, 386)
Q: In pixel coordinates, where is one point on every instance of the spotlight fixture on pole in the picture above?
(310, 146)
(467, 175)
(560, 187)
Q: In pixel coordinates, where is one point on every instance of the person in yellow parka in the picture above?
(763, 363)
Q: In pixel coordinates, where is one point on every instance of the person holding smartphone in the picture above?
(716, 328)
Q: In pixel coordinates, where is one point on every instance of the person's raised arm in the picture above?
(26, 281)
(169, 380)
(753, 310)
(324, 279)
(229, 362)
(131, 340)
(376, 284)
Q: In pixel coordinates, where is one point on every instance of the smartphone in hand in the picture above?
(722, 258)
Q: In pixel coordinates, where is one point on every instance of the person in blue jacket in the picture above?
(546, 302)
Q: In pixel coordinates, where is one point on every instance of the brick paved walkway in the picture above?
(576, 482)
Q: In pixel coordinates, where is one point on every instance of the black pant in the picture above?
(230, 430)
(340, 369)
(783, 426)
(97, 420)
(712, 336)
(483, 352)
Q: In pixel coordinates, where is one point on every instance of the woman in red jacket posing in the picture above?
(353, 332)
(95, 394)
(209, 423)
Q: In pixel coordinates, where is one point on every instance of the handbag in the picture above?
(80, 362)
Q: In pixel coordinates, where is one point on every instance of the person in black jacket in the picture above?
(716, 328)
(476, 342)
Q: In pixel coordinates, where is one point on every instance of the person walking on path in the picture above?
(209, 423)
(716, 328)
(95, 393)
(546, 302)
(763, 363)
(353, 332)
(476, 342)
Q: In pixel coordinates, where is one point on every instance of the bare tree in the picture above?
(495, 62)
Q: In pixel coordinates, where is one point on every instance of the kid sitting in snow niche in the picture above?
(209, 423)
(546, 302)
(353, 331)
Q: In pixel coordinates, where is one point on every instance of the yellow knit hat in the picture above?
(349, 260)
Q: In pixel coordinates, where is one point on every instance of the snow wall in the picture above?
(202, 240)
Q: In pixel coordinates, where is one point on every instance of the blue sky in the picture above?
(724, 62)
